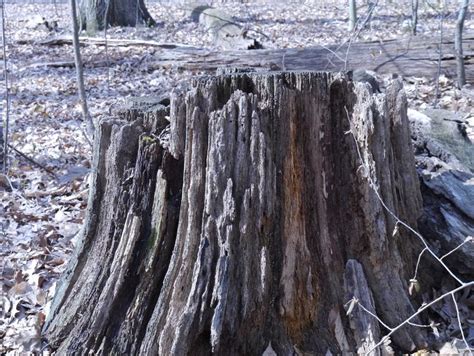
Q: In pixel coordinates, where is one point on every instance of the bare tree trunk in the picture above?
(414, 15)
(461, 74)
(119, 13)
(250, 224)
(352, 14)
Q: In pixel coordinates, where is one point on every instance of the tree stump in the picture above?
(245, 223)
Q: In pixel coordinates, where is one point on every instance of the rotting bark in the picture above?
(249, 225)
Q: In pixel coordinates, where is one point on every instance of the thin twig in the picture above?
(375, 316)
(86, 137)
(440, 55)
(7, 93)
(332, 52)
(107, 63)
(359, 30)
(468, 239)
(79, 70)
(393, 58)
(28, 158)
(460, 324)
(418, 262)
(339, 47)
(419, 325)
(418, 312)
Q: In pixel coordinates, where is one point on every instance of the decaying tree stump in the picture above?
(249, 226)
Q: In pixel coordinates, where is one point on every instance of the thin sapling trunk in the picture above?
(460, 71)
(79, 70)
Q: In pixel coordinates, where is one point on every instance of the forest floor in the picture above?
(41, 216)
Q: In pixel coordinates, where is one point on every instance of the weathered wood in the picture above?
(365, 327)
(236, 238)
(417, 56)
(112, 42)
(445, 161)
(407, 57)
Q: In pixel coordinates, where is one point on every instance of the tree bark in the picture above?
(119, 13)
(460, 71)
(414, 16)
(352, 15)
(79, 72)
(247, 227)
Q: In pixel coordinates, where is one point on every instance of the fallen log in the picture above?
(112, 42)
(64, 64)
(416, 57)
(408, 57)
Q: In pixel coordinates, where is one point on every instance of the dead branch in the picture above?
(67, 40)
(36, 163)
